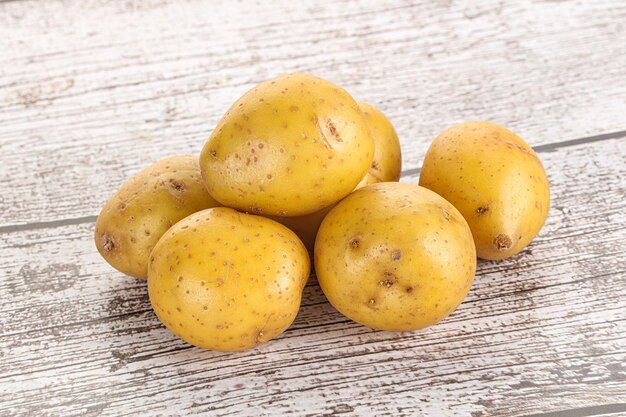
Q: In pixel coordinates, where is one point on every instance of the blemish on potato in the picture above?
(482, 210)
(502, 242)
(386, 283)
(354, 243)
(446, 214)
(396, 255)
(108, 245)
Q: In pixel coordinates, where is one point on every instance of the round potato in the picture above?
(224, 280)
(495, 180)
(386, 166)
(288, 147)
(136, 216)
(395, 256)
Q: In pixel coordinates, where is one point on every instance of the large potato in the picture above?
(136, 216)
(288, 147)
(395, 256)
(495, 180)
(227, 281)
(386, 166)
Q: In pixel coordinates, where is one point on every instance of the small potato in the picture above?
(304, 226)
(144, 207)
(227, 281)
(386, 166)
(395, 256)
(387, 163)
(495, 180)
(288, 147)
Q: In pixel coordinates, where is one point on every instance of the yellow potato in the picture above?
(387, 162)
(227, 281)
(495, 180)
(386, 166)
(305, 226)
(136, 216)
(288, 147)
(395, 256)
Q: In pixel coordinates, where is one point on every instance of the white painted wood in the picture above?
(92, 91)
(541, 332)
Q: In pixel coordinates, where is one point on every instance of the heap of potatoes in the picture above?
(295, 164)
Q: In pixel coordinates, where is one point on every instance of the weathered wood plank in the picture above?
(92, 91)
(541, 332)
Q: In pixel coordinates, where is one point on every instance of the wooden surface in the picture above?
(92, 91)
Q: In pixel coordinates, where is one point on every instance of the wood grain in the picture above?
(93, 91)
(539, 333)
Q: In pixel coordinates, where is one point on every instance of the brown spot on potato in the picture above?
(482, 210)
(446, 214)
(502, 242)
(177, 185)
(386, 283)
(396, 255)
(108, 244)
(213, 153)
(354, 243)
(333, 130)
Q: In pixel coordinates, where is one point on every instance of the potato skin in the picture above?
(495, 180)
(288, 147)
(228, 281)
(395, 256)
(304, 226)
(140, 212)
(387, 162)
(386, 166)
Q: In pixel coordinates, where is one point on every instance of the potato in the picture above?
(227, 281)
(304, 226)
(495, 180)
(144, 207)
(289, 147)
(387, 162)
(395, 256)
(386, 166)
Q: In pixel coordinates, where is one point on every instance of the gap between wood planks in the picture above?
(89, 219)
(585, 411)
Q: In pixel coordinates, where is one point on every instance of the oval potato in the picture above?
(288, 147)
(395, 256)
(136, 216)
(227, 281)
(495, 180)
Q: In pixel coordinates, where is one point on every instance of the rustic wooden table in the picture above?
(91, 91)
